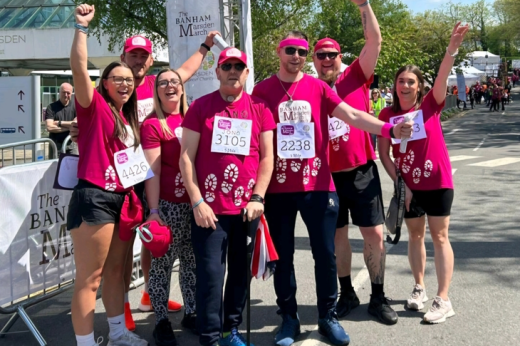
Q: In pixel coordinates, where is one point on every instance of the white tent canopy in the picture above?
(470, 70)
(484, 61)
(470, 79)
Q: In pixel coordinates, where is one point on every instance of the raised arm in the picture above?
(79, 59)
(368, 123)
(190, 66)
(370, 52)
(441, 82)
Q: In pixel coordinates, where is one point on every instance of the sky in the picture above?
(422, 5)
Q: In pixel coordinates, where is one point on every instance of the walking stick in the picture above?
(251, 233)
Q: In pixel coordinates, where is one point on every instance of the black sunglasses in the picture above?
(292, 50)
(238, 66)
(330, 55)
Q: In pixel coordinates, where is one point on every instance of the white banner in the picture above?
(515, 64)
(247, 36)
(189, 22)
(36, 250)
(461, 86)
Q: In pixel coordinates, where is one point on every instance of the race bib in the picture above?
(231, 136)
(296, 141)
(337, 128)
(295, 112)
(132, 167)
(418, 127)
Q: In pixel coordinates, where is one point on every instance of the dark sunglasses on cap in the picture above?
(292, 51)
(240, 66)
(330, 55)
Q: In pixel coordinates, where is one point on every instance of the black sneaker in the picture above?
(380, 308)
(189, 321)
(163, 334)
(347, 301)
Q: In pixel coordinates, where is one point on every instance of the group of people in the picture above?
(492, 92)
(297, 144)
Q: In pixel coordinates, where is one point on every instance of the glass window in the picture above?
(6, 16)
(20, 19)
(59, 18)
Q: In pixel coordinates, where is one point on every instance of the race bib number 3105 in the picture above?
(231, 136)
(296, 141)
(132, 167)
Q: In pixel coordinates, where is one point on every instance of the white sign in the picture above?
(419, 131)
(131, 166)
(189, 22)
(296, 141)
(20, 109)
(515, 64)
(461, 86)
(231, 136)
(36, 251)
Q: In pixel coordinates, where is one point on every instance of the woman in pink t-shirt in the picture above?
(169, 202)
(426, 170)
(107, 117)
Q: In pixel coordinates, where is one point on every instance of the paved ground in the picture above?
(485, 152)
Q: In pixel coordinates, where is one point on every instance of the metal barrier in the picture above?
(451, 102)
(17, 308)
(33, 156)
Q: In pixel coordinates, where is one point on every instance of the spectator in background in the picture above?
(58, 120)
(471, 95)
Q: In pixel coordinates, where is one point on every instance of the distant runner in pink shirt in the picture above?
(107, 117)
(226, 163)
(425, 168)
(354, 171)
(302, 181)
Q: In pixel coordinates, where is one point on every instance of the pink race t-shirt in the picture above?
(152, 136)
(226, 181)
(426, 163)
(313, 100)
(97, 144)
(354, 148)
(145, 98)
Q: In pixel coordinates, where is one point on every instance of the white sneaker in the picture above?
(440, 310)
(417, 298)
(127, 339)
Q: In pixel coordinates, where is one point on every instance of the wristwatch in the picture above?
(59, 123)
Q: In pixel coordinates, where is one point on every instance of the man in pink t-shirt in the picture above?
(226, 164)
(353, 168)
(302, 181)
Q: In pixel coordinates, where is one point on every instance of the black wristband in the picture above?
(205, 46)
(257, 198)
(392, 135)
(59, 123)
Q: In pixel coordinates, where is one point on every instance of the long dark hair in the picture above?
(396, 106)
(129, 108)
(158, 104)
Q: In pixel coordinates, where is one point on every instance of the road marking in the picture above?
(480, 144)
(453, 131)
(361, 278)
(497, 162)
(453, 171)
(462, 158)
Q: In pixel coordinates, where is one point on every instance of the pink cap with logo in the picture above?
(138, 42)
(326, 43)
(232, 53)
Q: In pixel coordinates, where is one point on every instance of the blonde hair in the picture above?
(378, 93)
(158, 105)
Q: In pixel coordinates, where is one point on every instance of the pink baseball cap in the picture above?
(155, 237)
(138, 42)
(326, 43)
(232, 53)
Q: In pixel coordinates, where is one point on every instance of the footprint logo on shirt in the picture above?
(250, 187)
(317, 165)
(428, 168)
(295, 166)
(281, 177)
(231, 172)
(211, 185)
(180, 190)
(281, 165)
(306, 171)
(416, 175)
(239, 192)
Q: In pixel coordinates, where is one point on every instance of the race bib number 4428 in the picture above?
(296, 141)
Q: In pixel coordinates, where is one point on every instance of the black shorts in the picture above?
(93, 205)
(431, 203)
(359, 191)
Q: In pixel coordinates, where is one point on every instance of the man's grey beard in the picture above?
(330, 78)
